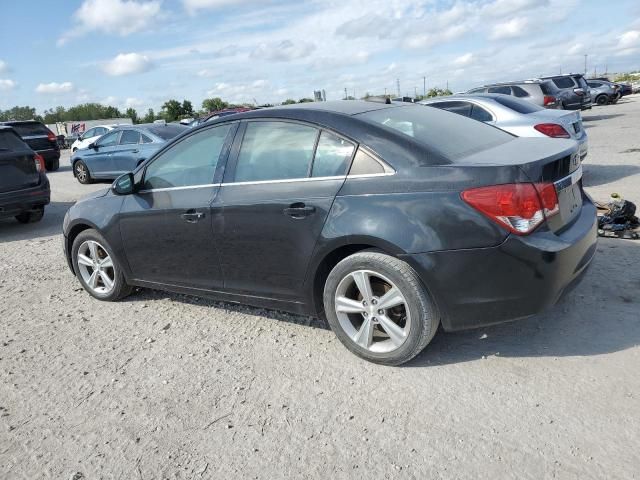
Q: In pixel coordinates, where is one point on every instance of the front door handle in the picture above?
(135, 151)
(192, 216)
(299, 210)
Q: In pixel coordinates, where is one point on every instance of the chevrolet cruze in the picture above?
(388, 220)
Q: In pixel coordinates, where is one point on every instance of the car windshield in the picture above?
(167, 132)
(520, 106)
(450, 134)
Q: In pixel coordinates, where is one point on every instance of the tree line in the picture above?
(171, 110)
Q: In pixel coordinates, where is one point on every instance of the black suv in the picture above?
(575, 94)
(40, 139)
(24, 187)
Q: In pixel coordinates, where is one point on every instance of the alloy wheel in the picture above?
(372, 311)
(96, 267)
(81, 172)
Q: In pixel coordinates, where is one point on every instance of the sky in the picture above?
(140, 53)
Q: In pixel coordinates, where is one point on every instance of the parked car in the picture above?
(121, 150)
(40, 139)
(541, 92)
(574, 91)
(625, 89)
(635, 87)
(603, 92)
(388, 219)
(516, 116)
(24, 187)
(90, 136)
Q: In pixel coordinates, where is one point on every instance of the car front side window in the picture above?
(273, 150)
(190, 162)
(109, 140)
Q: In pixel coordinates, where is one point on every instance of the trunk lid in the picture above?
(571, 120)
(542, 160)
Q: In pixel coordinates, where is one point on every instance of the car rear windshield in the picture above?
(450, 134)
(564, 82)
(520, 106)
(167, 132)
(30, 128)
(10, 141)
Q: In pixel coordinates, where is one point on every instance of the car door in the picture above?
(166, 226)
(278, 188)
(98, 158)
(126, 154)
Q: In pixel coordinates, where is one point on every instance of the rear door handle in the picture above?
(299, 210)
(192, 216)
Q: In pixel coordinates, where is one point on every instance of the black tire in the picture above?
(120, 289)
(602, 99)
(423, 312)
(81, 172)
(31, 216)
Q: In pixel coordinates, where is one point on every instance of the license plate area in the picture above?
(569, 193)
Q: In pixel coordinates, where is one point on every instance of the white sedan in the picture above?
(90, 136)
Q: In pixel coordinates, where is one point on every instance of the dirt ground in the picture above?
(171, 386)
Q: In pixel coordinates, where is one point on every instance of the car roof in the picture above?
(19, 122)
(466, 96)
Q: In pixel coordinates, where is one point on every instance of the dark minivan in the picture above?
(40, 139)
(24, 187)
(388, 220)
(575, 93)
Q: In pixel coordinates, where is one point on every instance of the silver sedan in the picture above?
(519, 117)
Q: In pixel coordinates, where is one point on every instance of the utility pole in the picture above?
(346, 96)
(385, 92)
(415, 92)
(424, 86)
(398, 85)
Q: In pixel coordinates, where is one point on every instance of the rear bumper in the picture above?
(13, 203)
(519, 278)
(50, 155)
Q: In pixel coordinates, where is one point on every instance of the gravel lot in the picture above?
(171, 386)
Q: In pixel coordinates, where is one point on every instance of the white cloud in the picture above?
(133, 102)
(121, 17)
(504, 8)
(192, 6)
(576, 49)
(283, 51)
(55, 87)
(3, 66)
(127, 64)
(513, 28)
(628, 43)
(463, 60)
(7, 84)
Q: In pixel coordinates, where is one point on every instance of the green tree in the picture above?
(149, 117)
(18, 113)
(214, 104)
(187, 109)
(132, 114)
(171, 110)
(439, 92)
(289, 101)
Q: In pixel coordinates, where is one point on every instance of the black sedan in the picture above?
(386, 219)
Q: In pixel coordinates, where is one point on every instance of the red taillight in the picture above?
(552, 130)
(39, 161)
(52, 137)
(519, 207)
(549, 100)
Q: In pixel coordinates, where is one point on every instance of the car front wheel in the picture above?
(82, 172)
(379, 309)
(97, 268)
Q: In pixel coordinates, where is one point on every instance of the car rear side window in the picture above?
(503, 89)
(519, 91)
(190, 162)
(10, 141)
(130, 137)
(30, 129)
(275, 151)
(520, 106)
(461, 108)
(453, 136)
(477, 90)
(332, 156)
(145, 139)
(564, 82)
(365, 164)
(480, 114)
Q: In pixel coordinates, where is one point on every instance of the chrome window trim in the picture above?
(285, 180)
(186, 187)
(368, 175)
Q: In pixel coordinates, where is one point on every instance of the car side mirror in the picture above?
(124, 185)
(93, 145)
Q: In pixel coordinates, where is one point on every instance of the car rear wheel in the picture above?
(97, 268)
(379, 309)
(31, 216)
(82, 172)
(602, 100)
